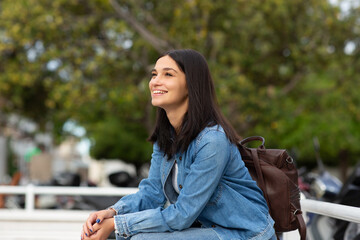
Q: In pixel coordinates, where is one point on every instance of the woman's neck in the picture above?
(175, 120)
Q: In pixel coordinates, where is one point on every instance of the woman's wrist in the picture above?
(112, 210)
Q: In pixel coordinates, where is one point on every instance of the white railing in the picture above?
(41, 224)
(347, 213)
(338, 211)
(30, 191)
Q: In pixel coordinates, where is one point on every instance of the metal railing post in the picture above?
(30, 198)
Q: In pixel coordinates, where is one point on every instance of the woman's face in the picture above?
(168, 86)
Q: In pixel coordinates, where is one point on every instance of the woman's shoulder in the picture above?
(211, 138)
(212, 133)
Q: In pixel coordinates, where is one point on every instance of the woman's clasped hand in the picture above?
(99, 225)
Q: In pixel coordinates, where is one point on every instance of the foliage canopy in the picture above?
(287, 70)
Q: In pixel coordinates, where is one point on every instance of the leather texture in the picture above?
(275, 173)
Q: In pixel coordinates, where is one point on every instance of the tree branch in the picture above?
(159, 44)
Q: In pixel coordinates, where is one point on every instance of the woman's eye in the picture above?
(153, 75)
(168, 74)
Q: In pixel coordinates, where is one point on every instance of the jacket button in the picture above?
(180, 186)
(213, 226)
(124, 235)
(180, 158)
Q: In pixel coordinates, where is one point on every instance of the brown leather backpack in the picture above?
(276, 175)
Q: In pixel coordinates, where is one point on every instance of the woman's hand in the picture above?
(102, 230)
(96, 217)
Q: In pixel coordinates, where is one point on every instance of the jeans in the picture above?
(187, 234)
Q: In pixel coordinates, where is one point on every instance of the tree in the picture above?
(280, 68)
(71, 60)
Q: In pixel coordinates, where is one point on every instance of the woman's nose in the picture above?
(155, 80)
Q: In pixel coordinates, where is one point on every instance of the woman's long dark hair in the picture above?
(203, 110)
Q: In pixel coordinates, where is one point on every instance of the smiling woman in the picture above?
(198, 186)
(168, 89)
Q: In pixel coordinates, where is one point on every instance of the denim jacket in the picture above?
(216, 190)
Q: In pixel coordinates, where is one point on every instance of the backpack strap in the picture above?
(260, 179)
(253, 138)
(302, 225)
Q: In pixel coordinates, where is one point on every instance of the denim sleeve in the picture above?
(150, 194)
(211, 153)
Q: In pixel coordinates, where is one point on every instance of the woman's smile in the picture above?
(158, 92)
(168, 87)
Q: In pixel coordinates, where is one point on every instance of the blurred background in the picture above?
(74, 79)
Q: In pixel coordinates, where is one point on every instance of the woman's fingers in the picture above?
(97, 226)
(103, 229)
(104, 214)
(88, 226)
(94, 236)
(95, 219)
(86, 232)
